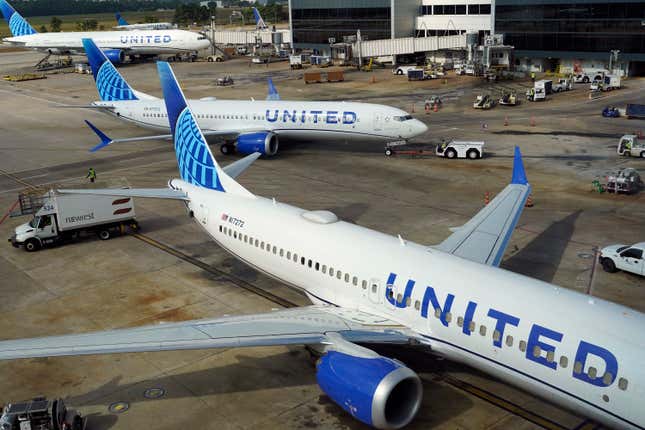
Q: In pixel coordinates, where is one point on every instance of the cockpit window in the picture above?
(402, 118)
(201, 38)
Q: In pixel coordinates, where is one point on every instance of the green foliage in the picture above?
(190, 13)
(42, 29)
(150, 19)
(55, 24)
(87, 25)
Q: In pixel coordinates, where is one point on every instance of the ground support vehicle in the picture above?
(623, 257)
(461, 149)
(635, 111)
(217, 58)
(562, 85)
(606, 83)
(509, 99)
(626, 181)
(63, 217)
(484, 102)
(403, 70)
(610, 112)
(40, 414)
(630, 145)
(225, 81)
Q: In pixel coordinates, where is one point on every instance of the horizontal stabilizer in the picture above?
(153, 193)
(235, 169)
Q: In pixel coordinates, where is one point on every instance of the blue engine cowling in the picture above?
(266, 143)
(379, 391)
(116, 56)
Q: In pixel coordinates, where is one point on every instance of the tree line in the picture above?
(74, 7)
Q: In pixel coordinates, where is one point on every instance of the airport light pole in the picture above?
(213, 34)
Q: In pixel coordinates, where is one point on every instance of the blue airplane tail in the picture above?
(109, 82)
(17, 24)
(259, 22)
(273, 93)
(194, 158)
(120, 20)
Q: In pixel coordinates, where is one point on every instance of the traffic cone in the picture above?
(436, 107)
(532, 121)
(529, 202)
(506, 121)
(412, 110)
(486, 198)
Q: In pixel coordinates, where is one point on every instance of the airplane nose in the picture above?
(420, 127)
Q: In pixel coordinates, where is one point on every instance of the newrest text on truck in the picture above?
(62, 217)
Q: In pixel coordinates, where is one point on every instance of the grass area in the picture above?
(107, 20)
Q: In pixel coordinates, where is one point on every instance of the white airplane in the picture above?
(368, 287)
(122, 24)
(254, 125)
(115, 44)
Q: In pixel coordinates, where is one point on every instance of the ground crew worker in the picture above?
(532, 94)
(533, 77)
(91, 173)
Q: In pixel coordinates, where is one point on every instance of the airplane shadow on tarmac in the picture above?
(294, 368)
(541, 257)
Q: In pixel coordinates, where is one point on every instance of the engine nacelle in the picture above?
(116, 56)
(380, 392)
(266, 143)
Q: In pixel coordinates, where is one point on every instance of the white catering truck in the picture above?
(62, 217)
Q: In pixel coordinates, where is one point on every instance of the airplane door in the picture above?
(375, 291)
(378, 122)
(203, 214)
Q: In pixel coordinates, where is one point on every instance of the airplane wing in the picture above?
(304, 325)
(105, 140)
(484, 237)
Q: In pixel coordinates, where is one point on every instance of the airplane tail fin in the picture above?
(109, 83)
(196, 162)
(17, 24)
(120, 20)
(259, 22)
(273, 93)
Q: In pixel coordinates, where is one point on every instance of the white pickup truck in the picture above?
(66, 216)
(623, 257)
(461, 149)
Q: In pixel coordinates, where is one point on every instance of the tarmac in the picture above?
(171, 271)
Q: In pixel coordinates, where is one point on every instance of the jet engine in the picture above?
(378, 391)
(116, 56)
(266, 143)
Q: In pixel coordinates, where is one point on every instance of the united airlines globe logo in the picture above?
(111, 85)
(194, 159)
(20, 27)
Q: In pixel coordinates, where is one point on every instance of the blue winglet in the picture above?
(519, 174)
(105, 141)
(120, 20)
(273, 93)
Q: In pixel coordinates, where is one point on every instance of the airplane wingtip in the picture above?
(519, 174)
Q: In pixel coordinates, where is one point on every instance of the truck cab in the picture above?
(629, 145)
(623, 257)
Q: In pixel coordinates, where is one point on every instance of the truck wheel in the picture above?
(104, 234)
(226, 149)
(451, 153)
(32, 245)
(388, 152)
(585, 80)
(399, 72)
(643, 154)
(472, 154)
(210, 59)
(608, 265)
(218, 59)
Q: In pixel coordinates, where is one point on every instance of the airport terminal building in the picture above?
(551, 35)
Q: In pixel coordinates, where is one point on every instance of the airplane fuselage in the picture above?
(291, 119)
(142, 42)
(573, 349)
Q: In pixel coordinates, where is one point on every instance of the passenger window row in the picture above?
(155, 115)
(522, 345)
(292, 256)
